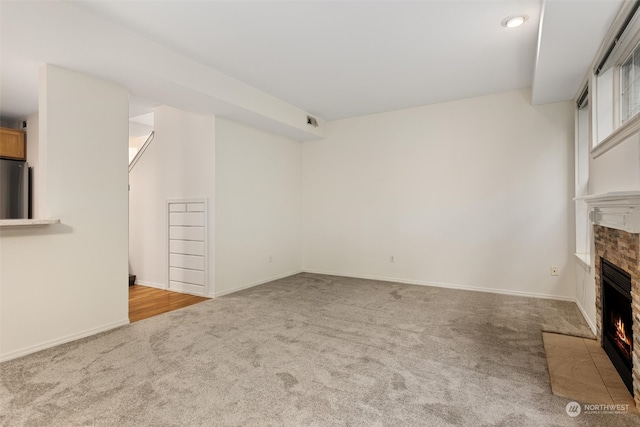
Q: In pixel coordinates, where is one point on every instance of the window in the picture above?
(616, 82)
(630, 86)
(605, 102)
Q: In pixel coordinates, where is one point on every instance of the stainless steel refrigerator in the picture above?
(14, 189)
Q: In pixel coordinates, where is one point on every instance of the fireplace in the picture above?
(617, 333)
(616, 236)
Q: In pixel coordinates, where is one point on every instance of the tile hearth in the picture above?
(579, 369)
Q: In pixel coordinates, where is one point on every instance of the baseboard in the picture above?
(446, 285)
(252, 284)
(151, 284)
(167, 288)
(586, 318)
(48, 344)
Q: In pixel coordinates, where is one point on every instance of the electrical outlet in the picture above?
(392, 259)
(554, 271)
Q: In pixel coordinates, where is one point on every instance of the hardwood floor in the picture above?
(145, 302)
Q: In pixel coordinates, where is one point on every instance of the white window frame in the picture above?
(630, 57)
(625, 47)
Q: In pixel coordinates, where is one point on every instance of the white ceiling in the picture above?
(566, 51)
(334, 59)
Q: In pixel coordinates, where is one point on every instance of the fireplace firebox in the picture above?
(617, 332)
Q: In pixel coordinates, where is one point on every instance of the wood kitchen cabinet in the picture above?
(12, 144)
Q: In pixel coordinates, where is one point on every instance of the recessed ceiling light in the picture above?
(514, 21)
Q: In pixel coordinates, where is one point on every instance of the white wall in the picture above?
(474, 193)
(67, 281)
(616, 170)
(586, 293)
(178, 164)
(258, 206)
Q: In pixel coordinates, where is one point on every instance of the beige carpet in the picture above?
(308, 350)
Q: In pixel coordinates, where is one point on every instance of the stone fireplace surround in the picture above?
(616, 232)
(620, 248)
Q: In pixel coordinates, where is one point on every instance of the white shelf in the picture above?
(11, 223)
(620, 198)
(619, 210)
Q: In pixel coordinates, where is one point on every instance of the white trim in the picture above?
(151, 284)
(10, 223)
(619, 210)
(189, 200)
(586, 318)
(205, 202)
(63, 340)
(622, 15)
(626, 44)
(186, 288)
(584, 261)
(252, 284)
(166, 288)
(613, 198)
(445, 285)
(619, 135)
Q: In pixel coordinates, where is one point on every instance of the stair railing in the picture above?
(141, 151)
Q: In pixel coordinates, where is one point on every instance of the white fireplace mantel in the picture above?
(619, 210)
